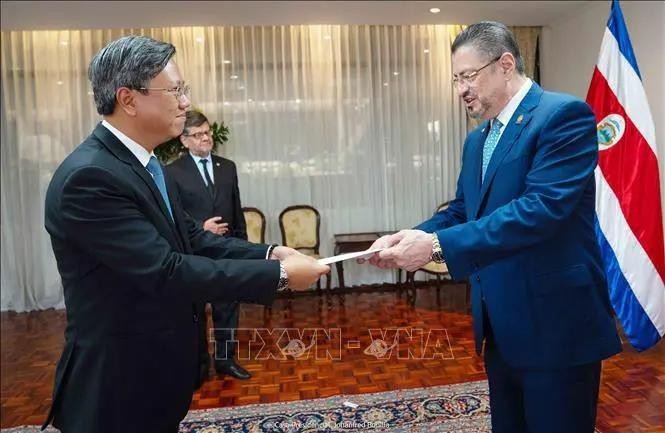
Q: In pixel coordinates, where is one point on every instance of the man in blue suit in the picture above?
(133, 263)
(521, 229)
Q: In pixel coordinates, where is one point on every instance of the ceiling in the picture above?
(54, 15)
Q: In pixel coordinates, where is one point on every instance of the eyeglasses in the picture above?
(200, 135)
(178, 92)
(470, 77)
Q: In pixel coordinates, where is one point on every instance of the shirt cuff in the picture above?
(269, 252)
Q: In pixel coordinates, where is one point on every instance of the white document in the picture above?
(347, 256)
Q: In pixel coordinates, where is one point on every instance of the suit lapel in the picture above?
(218, 172)
(115, 146)
(510, 136)
(178, 216)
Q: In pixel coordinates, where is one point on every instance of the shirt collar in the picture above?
(198, 158)
(508, 111)
(137, 150)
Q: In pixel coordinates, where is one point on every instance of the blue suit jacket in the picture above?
(525, 236)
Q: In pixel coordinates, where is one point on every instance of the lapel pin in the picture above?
(519, 119)
(217, 164)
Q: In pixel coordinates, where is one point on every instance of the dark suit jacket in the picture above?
(525, 236)
(197, 200)
(130, 277)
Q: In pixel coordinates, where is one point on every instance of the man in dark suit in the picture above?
(521, 228)
(133, 264)
(208, 188)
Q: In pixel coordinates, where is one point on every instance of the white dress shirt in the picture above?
(137, 150)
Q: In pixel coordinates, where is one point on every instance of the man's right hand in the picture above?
(303, 271)
(215, 225)
(386, 241)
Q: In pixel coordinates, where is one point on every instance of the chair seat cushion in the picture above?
(436, 268)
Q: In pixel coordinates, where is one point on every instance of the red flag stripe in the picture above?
(631, 170)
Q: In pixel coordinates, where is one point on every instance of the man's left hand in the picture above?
(412, 252)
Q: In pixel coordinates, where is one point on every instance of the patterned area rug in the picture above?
(460, 408)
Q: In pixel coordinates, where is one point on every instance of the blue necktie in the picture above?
(490, 144)
(155, 168)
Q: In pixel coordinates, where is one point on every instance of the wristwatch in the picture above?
(437, 253)
(283, 279)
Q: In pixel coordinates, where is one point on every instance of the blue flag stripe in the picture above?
(637, 326)
(617, 26)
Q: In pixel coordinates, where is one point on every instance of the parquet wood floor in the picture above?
(632, 395)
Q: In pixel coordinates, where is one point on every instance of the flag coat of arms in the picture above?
(629, 222)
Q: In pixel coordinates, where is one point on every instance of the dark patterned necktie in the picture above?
(209, 183)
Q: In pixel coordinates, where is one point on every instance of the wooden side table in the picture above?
(351, 242)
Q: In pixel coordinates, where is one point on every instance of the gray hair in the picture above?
(131, 61)
(491, 38)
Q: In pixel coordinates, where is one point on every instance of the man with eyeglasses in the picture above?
(208, 187)
(133, 263)
(521, 229)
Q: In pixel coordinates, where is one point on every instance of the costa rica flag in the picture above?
(629, 222)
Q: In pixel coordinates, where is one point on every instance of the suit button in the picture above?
(477, 277)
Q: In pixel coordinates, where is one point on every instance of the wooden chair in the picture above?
(255, 222)
(440, 270)
(300, 226)
(256, 225)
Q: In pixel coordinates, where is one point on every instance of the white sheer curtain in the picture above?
(360, 122)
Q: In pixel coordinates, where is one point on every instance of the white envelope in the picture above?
(348, 256)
